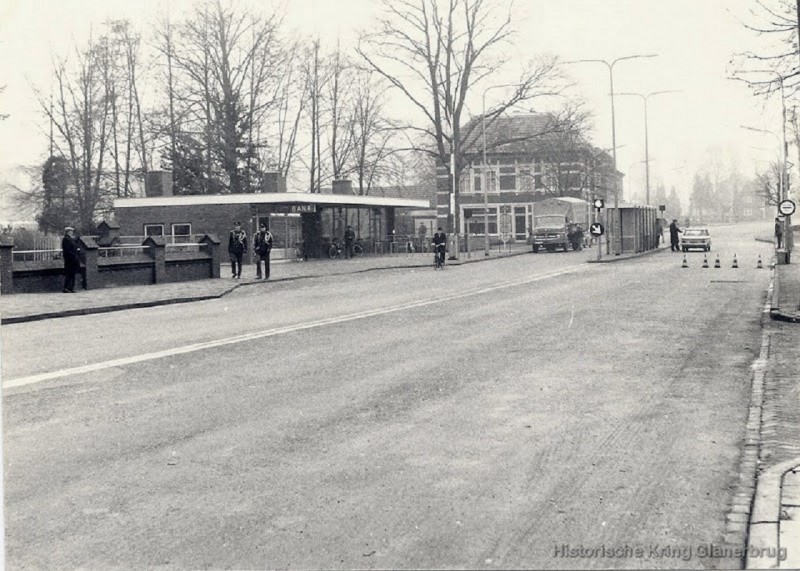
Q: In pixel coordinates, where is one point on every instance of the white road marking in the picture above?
(571, 318)
(124, 361)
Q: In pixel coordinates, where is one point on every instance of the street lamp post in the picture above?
(646, 139)
(610, 66)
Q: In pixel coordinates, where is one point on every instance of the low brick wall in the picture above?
(155, 263)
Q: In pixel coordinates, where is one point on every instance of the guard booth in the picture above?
(638, 227)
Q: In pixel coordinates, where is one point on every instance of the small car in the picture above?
(696, 238)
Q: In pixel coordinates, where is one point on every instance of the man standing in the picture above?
(778, 233)
(237, 246)
(72, 262)
(439, 245)
(674, 241)
(349, 238)
(262, 246)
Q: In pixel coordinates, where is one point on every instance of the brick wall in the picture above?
(205, 219)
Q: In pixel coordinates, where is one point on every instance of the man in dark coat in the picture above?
(262, 246)
(237, 246)
(439, 243)
(778, 233)
(72, 262)
(674, 241)
(349, 239)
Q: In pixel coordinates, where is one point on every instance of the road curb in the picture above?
(764, 529)
(622, 257)
(155, 303)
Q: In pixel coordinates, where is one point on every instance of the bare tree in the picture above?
(340, 88)
(80, 116)
(225, 55)
(767, 183)
(438, 53)
(371, 134)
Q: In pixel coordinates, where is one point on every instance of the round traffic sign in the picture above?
(598, 203)
(596, 229)
(786, 207)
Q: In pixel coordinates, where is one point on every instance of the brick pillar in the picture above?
(158, 247)
(6, 265)
(212, 245)
(443, 187)
(88, 253)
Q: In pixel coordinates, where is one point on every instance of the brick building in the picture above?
(291, 216)
(527, 160)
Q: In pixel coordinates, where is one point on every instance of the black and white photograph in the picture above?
(400, 284)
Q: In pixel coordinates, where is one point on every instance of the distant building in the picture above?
(525, 162)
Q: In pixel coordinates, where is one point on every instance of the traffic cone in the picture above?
(760, 266)
(685, 264)
(716, 262)
(735, 263)
(705, 261)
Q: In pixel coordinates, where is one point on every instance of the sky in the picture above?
(694, 40)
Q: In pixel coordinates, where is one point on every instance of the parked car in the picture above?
(696, 238)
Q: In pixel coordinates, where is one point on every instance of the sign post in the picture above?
(787, 208)
(597, 229)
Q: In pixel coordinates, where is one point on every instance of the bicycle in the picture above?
(300, 251)
(438, 258)
(337, 250)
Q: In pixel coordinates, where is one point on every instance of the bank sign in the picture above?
(293, 208)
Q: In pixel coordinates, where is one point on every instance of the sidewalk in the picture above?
(774, 523)
(19, 308)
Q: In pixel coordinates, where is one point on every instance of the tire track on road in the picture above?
(194, 347)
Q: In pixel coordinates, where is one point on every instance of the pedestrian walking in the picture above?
(349, 239)
(674, 240)
(262, 246)
(72, 262)
(237, 246)
(778, 233)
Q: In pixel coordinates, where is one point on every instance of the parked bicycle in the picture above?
(337, 249)
(300, 251)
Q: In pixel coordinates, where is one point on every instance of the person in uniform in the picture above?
(262, 246)
(237, 246)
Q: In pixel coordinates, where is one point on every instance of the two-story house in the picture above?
(527, 160)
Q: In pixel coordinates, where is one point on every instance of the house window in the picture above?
(477, 181)
(153, 229)
(508, 178)
(181, 233)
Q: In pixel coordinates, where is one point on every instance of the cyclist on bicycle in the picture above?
(439, 245)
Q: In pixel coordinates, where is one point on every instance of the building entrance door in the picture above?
(520, 230)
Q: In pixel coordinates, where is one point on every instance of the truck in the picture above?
(560, 222)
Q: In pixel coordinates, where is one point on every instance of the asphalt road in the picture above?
(485, 416)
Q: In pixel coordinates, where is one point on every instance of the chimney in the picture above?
(342, 186)
(273, 182)
(158, 183)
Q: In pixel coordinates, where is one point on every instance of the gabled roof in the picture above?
(521, 134)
